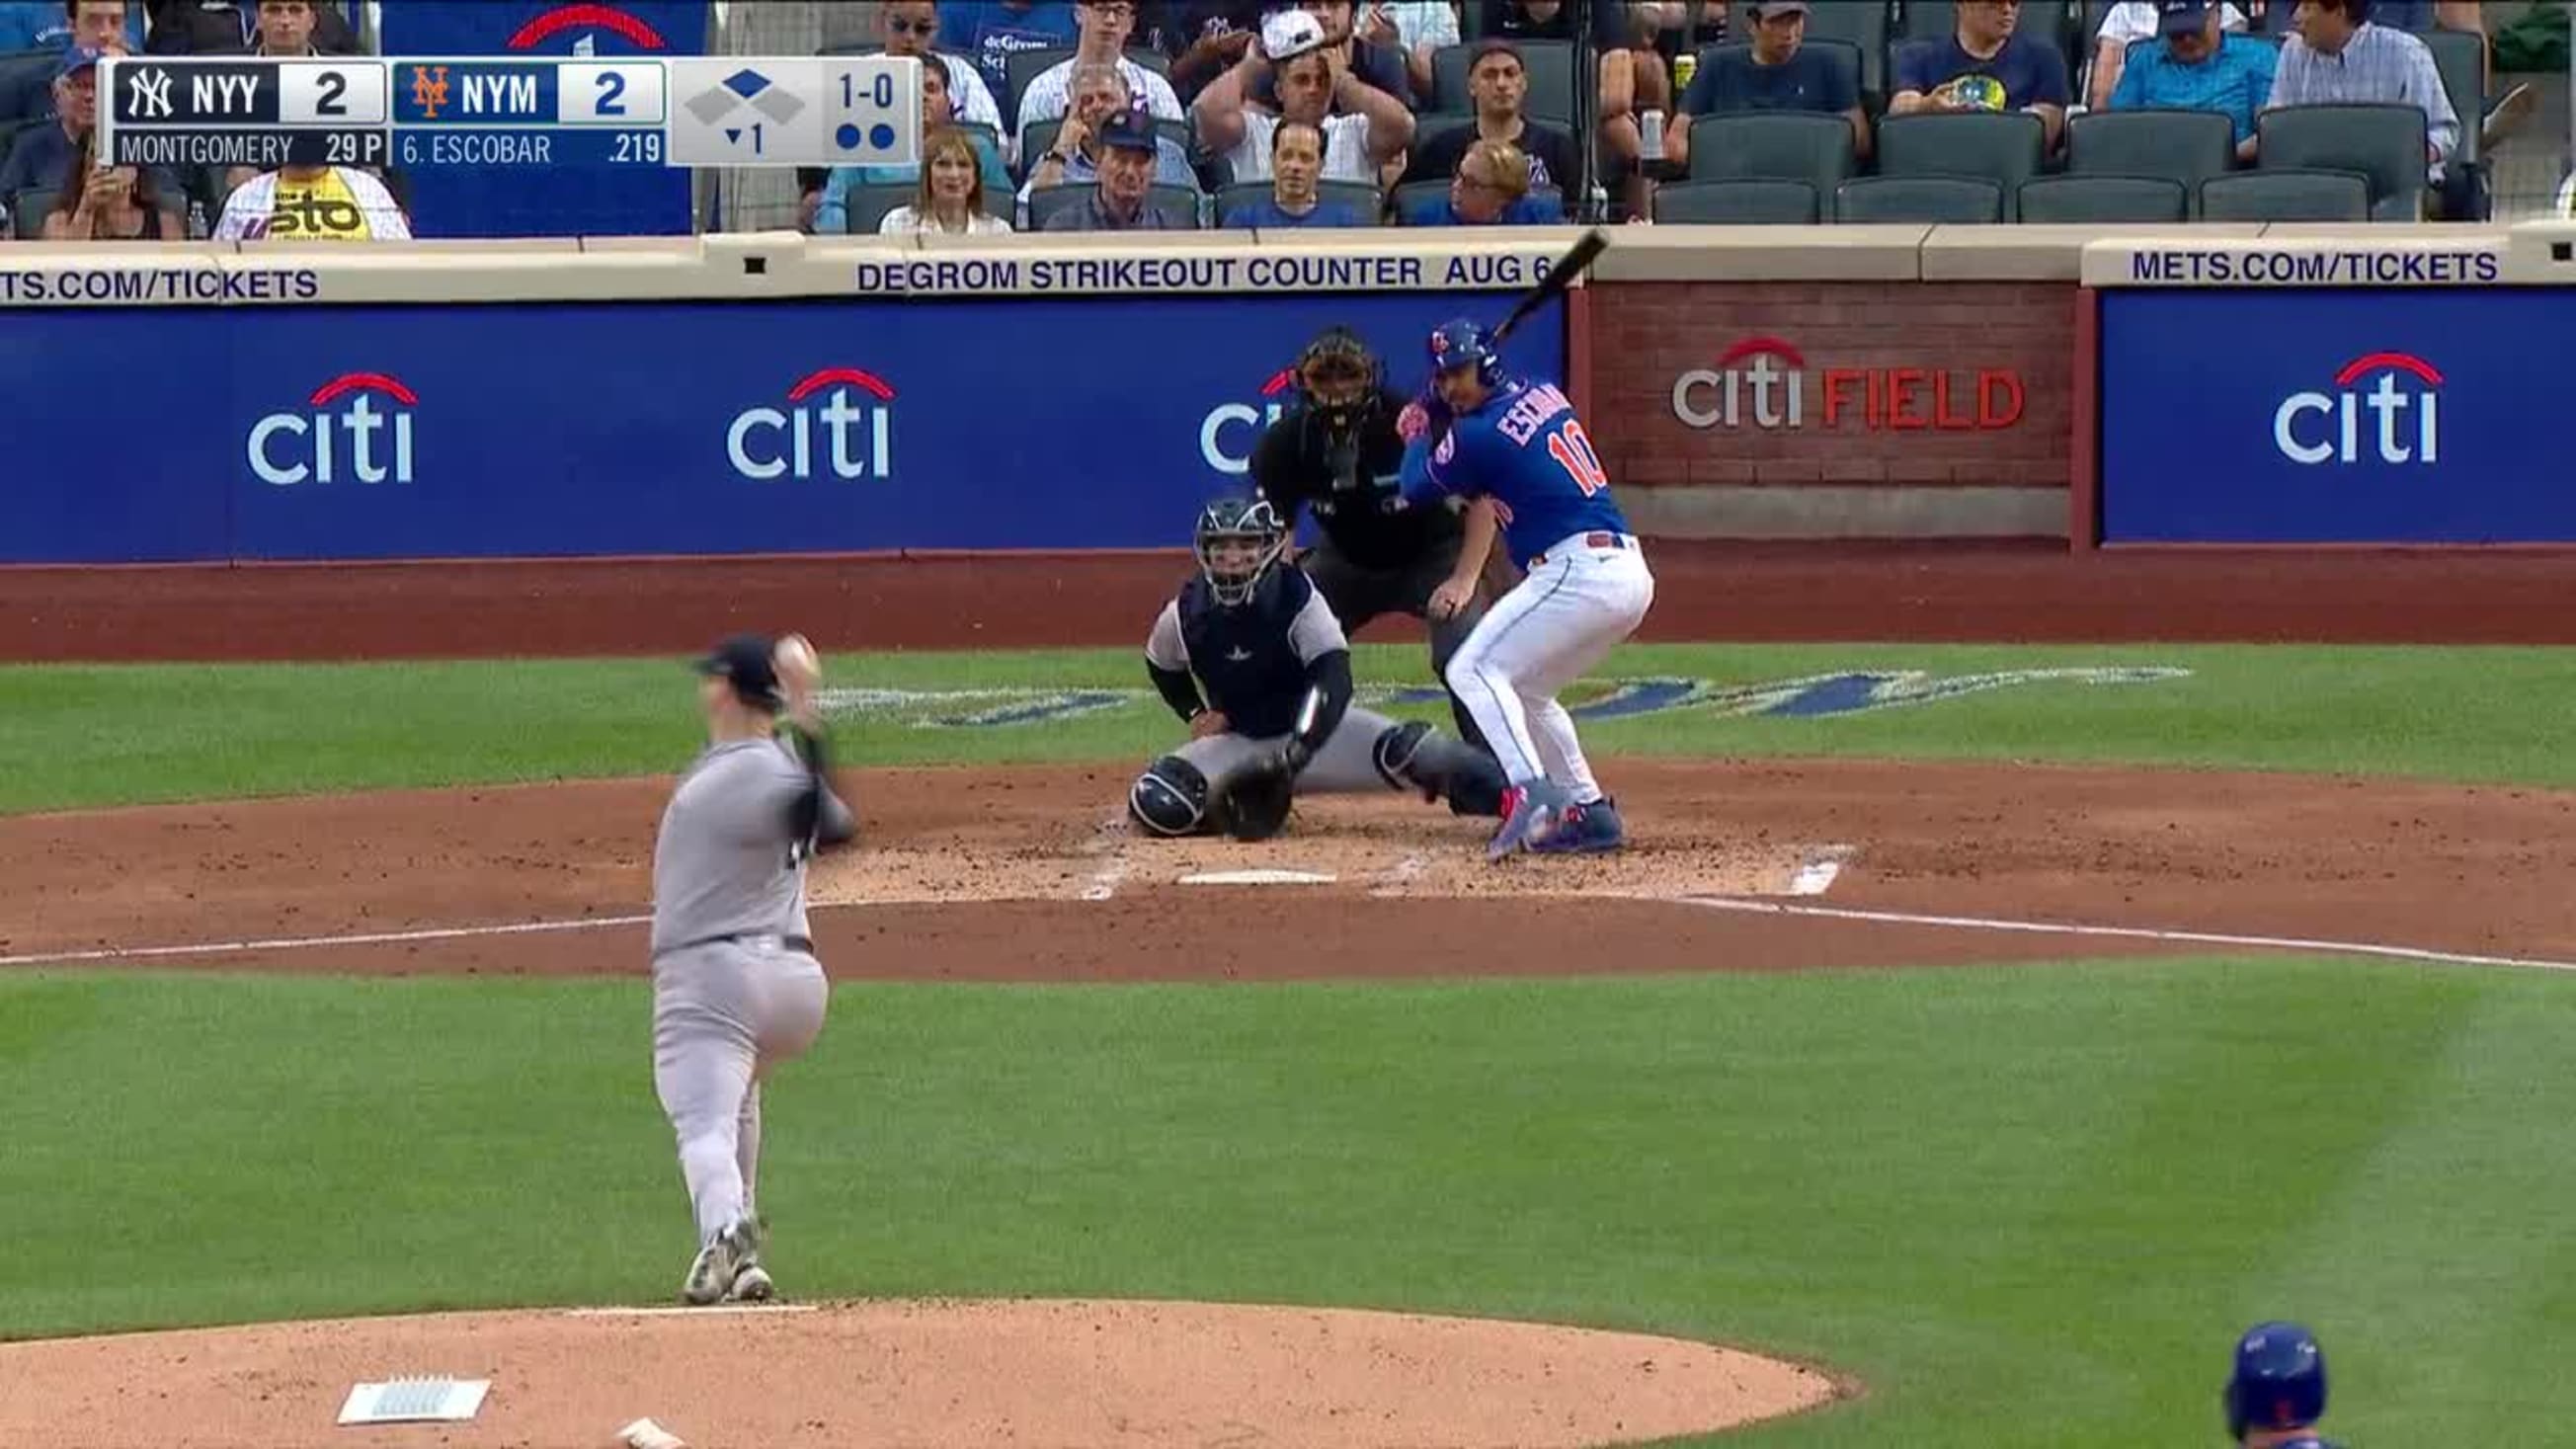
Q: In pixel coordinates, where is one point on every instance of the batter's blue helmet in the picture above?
(2279, 1381)
(1460, 343)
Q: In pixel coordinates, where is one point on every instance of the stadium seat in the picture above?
(1431, 125)
(1862, 25)
(1551, 79)
(1846, 56)
(1750, 202)
(2382, 142)
(1178, 204)
(2462, 60)
(1022, 67)
(27, 212)
(1806, 146)
(1355, 193)
(27, 83)
(2004, 149)
(2282, 194)
(2103, 199)
(868, 205)
(1922, 200)
(2183, 146)
(1417, 193)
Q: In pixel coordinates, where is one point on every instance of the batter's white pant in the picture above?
(724, 1014)
(1580, 598)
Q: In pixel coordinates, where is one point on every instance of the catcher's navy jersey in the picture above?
(1525, 449)
(1251, 657)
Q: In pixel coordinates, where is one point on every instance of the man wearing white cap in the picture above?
(1364, 127)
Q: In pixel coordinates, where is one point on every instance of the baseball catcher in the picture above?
(1338, 452)
(1276, 719)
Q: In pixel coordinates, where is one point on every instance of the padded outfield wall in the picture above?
(765, 394)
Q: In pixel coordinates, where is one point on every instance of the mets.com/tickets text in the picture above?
(2355, 267)
(143, 286)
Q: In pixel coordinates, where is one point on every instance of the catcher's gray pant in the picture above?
(1357, 594)
(724, 1014)
(1347, 762)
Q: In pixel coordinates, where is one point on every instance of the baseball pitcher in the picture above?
(736, 988)
(1276, 718)
(1337, 451)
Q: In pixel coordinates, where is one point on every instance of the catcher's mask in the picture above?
(1339, 378)
(1238, 540)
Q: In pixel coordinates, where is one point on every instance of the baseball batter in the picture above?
(736, 988)
(1519, 451)
(1277, 673)
(1338, 452)
(2276, 1390)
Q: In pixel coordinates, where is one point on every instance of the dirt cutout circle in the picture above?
(926, 1375)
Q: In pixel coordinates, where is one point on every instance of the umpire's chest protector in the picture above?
(1245, 656)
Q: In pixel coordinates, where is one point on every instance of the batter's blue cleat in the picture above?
(1529, 812)
(1583, 830)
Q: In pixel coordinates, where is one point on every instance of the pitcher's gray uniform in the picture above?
(1261, 639)
(736, 987)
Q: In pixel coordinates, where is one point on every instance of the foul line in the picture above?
(2134, 933)
(299, 943)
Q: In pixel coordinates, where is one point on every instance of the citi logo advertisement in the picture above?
(586, 23)
(1229, 431)
(838, 423)
(358, 429)
(1765, 382)
(2405, 424)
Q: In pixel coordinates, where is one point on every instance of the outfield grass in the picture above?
(2027, 1206)
(128, 734)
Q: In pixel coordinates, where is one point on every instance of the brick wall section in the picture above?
(1645, 335)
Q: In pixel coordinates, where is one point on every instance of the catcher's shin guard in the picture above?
(1414, 756)
(1170, 798)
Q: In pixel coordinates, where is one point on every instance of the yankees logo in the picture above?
(151, 93)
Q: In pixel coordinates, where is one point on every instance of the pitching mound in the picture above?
(929, 1375)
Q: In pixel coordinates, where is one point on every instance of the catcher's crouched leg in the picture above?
(1415, 756)
(1170, 798)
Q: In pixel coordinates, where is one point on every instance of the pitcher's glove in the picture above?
(1257, 800)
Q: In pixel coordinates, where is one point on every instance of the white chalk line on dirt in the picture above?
(301, 943)
(1739, 904)
(1109, 839)
(2133, 933)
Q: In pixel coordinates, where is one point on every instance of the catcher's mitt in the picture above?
(1257, 800)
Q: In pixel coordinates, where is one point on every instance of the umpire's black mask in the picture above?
(1339, 377)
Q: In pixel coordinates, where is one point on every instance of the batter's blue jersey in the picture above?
(1527, 451)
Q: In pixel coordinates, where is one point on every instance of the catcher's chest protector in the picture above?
(1244, 656)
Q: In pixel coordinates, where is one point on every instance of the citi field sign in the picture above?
(355, 428)
(1766, 383)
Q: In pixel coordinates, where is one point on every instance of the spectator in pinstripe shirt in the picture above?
(1105, 26)
(2339, 56)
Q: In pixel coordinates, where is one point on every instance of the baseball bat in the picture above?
(1558, 278)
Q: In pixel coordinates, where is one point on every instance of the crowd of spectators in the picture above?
(1111, 114)
(1463, 112)
(52, 187)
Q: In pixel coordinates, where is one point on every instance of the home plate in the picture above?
(1259, 877)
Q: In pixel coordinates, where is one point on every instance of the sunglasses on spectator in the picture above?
(913, 27)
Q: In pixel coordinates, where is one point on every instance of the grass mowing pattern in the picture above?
(2028, 1206)
(128, 734)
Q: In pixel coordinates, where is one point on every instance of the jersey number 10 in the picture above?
(1572, 450)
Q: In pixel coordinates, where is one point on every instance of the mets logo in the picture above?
(429, 90)
(590, 19)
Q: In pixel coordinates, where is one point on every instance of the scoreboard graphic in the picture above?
(484, 111)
